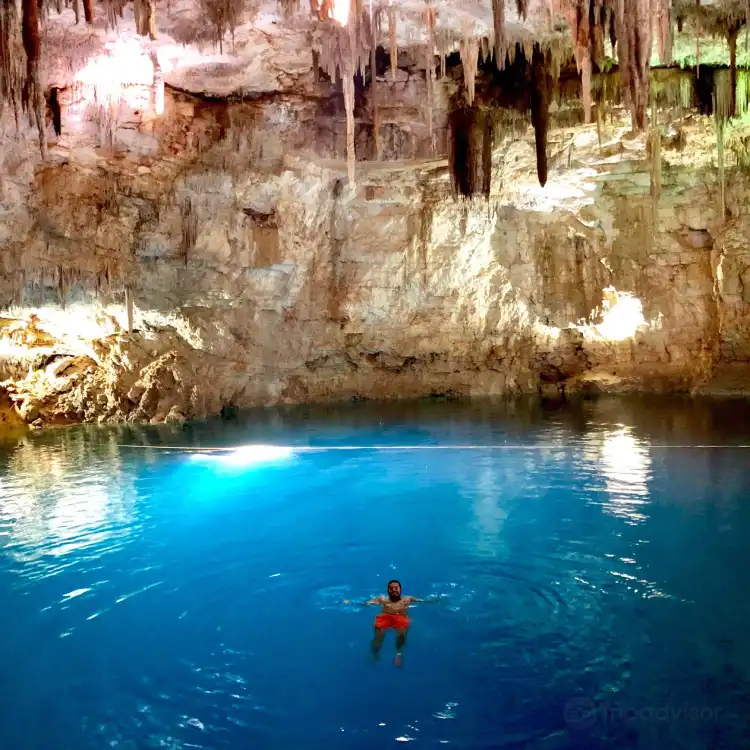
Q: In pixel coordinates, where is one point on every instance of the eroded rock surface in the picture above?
(259, 275)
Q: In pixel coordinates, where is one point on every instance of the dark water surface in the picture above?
(591, 580)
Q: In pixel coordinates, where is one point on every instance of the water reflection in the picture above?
(570, 556)
(626, 468)
(70, 492)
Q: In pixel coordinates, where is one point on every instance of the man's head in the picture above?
(394, 590)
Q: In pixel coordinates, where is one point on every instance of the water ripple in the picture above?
(160, 601)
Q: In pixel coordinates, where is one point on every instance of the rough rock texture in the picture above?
(258, 274)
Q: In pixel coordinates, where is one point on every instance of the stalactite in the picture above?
(77, 11)
(597, 25)
(469, 51)
(522, 6)
(577, 14)
(373, 86)
(32, 96)
(698, 38)
(148, 19)
(129, 308)
(634, 40)
(742, 92)
(353, 48)
(323, 9)
(722, 96)
(488, 133)
(222, 15)
(732, 41)
(528, 47)
(586, 88)
(512, 50)
(158, 85)
(12, 71)
(348, 83)
(288, 7)
(393, 41)
(430, 72)
(498, 17)
(53, 104)
(114, 7)
(720, 123)
(189, 227)
(470, 151)
(62, 290)
(557, 56)
(664, 30)
(88, 11)
(654, 147)
(541, 90)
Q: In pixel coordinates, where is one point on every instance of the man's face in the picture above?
(394, 591)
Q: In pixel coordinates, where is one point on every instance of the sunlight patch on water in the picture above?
(626, 467)
(247, 455)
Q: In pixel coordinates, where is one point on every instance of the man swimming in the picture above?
(393, 616)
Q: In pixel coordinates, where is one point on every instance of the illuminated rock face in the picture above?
(259, 275)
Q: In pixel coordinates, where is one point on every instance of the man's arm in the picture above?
(370, 603)
(431, 600)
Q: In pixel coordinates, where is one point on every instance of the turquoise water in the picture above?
(588, 566)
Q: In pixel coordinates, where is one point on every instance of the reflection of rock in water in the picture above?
(64, 491)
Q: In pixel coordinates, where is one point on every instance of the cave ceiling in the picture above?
(254, 48)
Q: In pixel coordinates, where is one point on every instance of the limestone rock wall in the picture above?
(258, 275)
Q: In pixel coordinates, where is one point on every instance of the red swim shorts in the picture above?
(398, 622)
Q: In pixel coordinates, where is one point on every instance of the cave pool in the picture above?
(588, 564)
